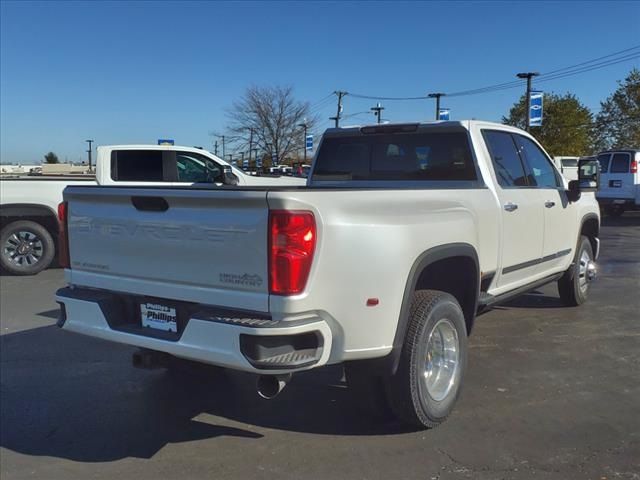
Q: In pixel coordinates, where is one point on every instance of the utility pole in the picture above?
(437, 97)
(250, 142)
(528, 76)
(89, 152)
(304, 126)
(215, 148)
(377, 111)
(340, 94)
(224, 154)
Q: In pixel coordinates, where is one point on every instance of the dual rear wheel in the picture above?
(426, 384)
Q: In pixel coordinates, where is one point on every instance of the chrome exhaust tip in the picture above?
(269, 386)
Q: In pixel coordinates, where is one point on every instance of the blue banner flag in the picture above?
(443, 114)
(535, 108)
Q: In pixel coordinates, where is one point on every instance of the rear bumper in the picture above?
(629, 203)
(237, 342)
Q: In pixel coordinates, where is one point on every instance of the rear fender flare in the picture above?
(427, 258)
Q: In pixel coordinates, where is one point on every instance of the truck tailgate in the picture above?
(195, 245)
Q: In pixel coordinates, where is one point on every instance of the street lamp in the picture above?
(528, 76)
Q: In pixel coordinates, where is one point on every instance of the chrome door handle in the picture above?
(510, 207)
(549, 204)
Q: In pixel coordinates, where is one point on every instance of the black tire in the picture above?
(32, 236)
(409, 396)
(572, 290)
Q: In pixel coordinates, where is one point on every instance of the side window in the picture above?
(505, 158)
(194, 168)
(604, 162)
(137, 166)
(542, 171)
(620, 163)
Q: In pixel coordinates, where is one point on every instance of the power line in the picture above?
(321, 104)
(594, 60)
(588, 69)
(369, 97)
(328, 97)
(355, 114)
(517, 83)
(582, 67)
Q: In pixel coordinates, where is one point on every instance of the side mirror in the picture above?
(230, 178)
(588, 179)
(589, 174)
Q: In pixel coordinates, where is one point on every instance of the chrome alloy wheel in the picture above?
(443, 359)
(23, 249)
(586, 271)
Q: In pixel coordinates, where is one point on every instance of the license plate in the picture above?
(159, 317)
(618, 202)
(615, 183)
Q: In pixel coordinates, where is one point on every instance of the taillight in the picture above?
(292, 241)
(63, 238)
(634, 166)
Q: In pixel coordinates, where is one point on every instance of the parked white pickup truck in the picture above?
(28, 219)
(403, 233)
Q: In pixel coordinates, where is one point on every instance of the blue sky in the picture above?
(136, 72)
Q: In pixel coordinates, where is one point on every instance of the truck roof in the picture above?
(420, 125)
(154, 147)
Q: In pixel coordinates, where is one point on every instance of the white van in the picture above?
(620, 181)
(568, 166)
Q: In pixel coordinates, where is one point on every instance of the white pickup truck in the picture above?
(401, 236)
(28, 219)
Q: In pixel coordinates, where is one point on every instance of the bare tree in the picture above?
(268, 119)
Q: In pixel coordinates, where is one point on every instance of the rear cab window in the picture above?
(429, 154)
(137, 166)
(163, 166)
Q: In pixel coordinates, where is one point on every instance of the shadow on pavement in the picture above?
(54, 314)
(6, 273)
(78, 398)
(534, 300)
(628, 219)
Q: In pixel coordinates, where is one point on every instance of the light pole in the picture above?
(528, 76)
(89, 152)
(437, 97)
(304, 126)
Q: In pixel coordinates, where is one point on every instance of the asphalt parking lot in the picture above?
(551, 392)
